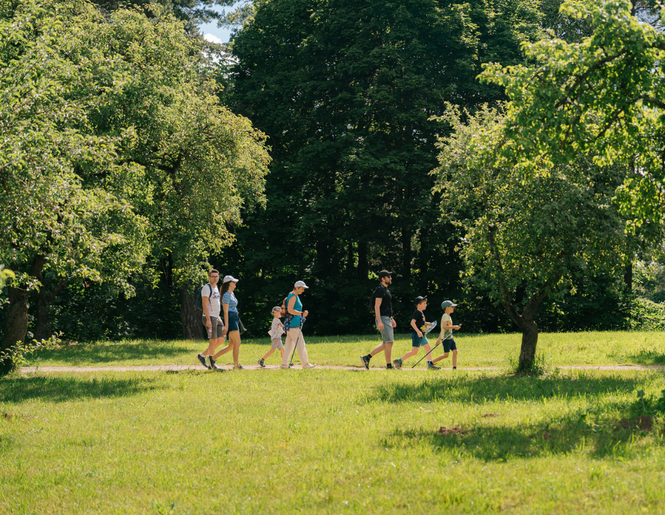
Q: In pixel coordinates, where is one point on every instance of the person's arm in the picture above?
(415, 328)
(377, 311)
(226, 318)
(205, 302)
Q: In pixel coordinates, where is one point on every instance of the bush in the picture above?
(647, 315)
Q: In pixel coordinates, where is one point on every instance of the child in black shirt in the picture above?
(418, 339)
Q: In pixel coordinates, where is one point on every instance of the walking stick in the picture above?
(302, 321)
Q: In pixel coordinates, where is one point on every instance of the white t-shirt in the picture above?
(215, 306)
(275, 329)
(446, 334)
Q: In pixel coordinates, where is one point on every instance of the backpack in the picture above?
(288, 317)
(198, 302)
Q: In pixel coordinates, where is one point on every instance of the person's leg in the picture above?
(455, 358)
(389, 352)
(224, 350)
(282, 352)
(411, 353)
(234, 338)
(377, 349)
(268, 354)
(288, 347)
(440, 358)
(302, 350)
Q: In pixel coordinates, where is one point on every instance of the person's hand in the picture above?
(420, 335)
(305, 313)
(224, 331)
(208, 322)
(380, 326)
(394, 324)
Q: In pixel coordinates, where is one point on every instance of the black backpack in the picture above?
(197, 296)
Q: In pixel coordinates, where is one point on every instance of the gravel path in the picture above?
(178, 368)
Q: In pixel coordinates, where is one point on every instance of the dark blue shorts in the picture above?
(233, 321)
(448, 345)
(417, 341)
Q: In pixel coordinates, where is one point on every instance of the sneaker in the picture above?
(389, 366)
(309, 365)
(212, 362)
(285, 367)
(365, 361)
(202, 359)
(397, 363)
(238, 367)
(261, 363)
(432, 366)
(218, 368)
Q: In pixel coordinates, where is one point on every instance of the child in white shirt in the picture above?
(276, 332)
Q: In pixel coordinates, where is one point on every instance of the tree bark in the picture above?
(16, 325)
(192, 328)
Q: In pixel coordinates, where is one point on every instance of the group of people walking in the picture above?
(222, 321)
(229, 327)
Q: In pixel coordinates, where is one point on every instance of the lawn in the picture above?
(334, 441)
(495, 350)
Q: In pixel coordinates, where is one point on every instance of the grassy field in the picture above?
(591, 348)
(335, 441)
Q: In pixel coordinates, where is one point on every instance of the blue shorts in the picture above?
(449, 345)
(233, 321)
(417, 341)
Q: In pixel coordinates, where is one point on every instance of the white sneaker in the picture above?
(284, 367)
(309, 365)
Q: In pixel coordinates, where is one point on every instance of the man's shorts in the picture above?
(388, 333)
(449, 345)
(417, 341)
(217, 327)
(276, 344)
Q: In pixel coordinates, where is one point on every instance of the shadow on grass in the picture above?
(489, 439)
(61, 389)
(110, 352)
(648, 357)
(482, 389)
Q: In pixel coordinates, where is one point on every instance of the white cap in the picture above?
(228, 279)
(300, 284)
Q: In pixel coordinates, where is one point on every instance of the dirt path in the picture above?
(178, 368)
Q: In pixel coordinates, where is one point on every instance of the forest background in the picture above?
(302, 150)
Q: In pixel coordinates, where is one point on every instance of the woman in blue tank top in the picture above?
(294, 337)
(231, 321)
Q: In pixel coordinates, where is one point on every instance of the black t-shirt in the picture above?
(419, 317)
(383, 293)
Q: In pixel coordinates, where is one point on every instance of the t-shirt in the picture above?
(276, 329)
(419, 317)
(230, 299)
(295, 321)
(446, 334)
(214, 307)
(383, 293)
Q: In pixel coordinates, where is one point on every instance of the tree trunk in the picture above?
(43, 329)
(529, 342)
(628, 278)
(192, 328)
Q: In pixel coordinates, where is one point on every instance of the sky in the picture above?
(215, 34)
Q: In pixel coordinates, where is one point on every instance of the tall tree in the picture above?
(345, 90)
(527, 232)
(113, 147)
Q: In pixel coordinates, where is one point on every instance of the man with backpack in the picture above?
(382, 306)
(209, 299)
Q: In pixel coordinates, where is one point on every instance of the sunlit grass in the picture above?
(495, 350)
(327, 441)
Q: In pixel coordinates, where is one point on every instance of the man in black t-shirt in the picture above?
(382, 306)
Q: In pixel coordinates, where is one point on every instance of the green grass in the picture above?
(590, 348)
(326, 441)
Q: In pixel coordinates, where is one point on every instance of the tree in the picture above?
(345, 91)
(526, 232)
(600, 97)
(114, 148)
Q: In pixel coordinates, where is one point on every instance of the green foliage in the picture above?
(5, 275)
(600, 97)
(17, 356)
(648, 405)
(648, 315)
(345, 91)
(117, 148)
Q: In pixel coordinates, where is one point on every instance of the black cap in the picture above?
(385, 273)
(419, 299)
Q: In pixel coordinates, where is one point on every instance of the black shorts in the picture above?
(449, 345)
